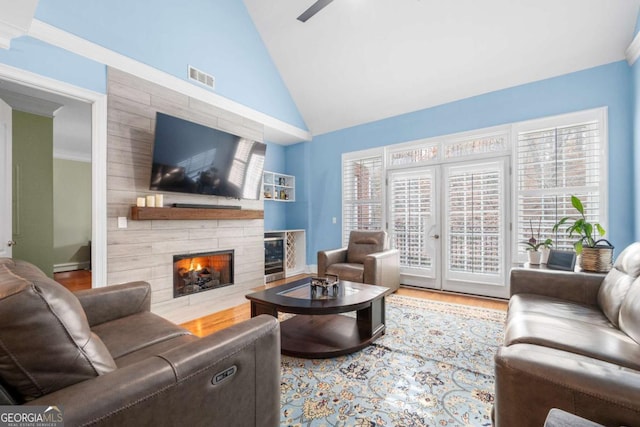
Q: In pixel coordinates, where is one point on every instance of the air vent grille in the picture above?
(202, 77)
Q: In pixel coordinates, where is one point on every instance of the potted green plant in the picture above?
(537, 249)
(596, 254)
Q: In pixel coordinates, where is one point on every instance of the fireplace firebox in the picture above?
(193, 273)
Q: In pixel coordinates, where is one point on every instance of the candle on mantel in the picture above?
(151, 201)
(140, 202)
(159, 200)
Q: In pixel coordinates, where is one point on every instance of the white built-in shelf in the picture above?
(279, 187)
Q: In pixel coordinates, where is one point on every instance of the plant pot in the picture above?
(545, 255)
(534, 257)
(598, 259)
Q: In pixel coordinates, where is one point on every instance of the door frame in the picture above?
(6, 210)
(98, 103)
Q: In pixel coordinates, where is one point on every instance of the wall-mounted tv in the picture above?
(192, 158)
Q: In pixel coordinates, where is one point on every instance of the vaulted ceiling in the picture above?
(358, 61)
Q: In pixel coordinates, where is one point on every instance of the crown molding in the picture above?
(75, 156)
(9, 32)
(15, 19)
(633, 51)
(275, 130)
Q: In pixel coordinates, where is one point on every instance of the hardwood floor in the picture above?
(81, 279)
(75, 280)
(225, 318)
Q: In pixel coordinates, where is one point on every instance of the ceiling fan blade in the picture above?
(315, 8)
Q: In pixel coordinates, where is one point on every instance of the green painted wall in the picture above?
(71, 212)
(33, 189)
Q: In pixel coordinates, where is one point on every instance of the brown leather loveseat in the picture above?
(572, 341)
(105, 359)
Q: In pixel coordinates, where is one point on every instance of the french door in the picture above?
(450, 224)
(414, 224)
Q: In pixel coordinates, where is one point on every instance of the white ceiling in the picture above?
(357, 61)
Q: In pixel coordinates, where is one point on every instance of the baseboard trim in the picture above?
(71, 266)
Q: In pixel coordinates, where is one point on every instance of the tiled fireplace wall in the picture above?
(144, 250)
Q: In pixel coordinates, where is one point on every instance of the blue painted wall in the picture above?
(635, 73)
(299, 164)
(275, 213)
(217, 37)
(607, 85)
(635, 89)
(29, 54)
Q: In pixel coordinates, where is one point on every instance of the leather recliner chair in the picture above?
(366, 259)
(103, 357)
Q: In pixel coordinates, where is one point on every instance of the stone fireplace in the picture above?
(145, 249)
(193, 273)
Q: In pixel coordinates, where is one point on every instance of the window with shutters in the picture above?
(557, 158)
(362, 191)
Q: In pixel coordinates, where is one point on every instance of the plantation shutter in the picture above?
(475, 221)
(362, 187)
(553, 164)
(412, 217)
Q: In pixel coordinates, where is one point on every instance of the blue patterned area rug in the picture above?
(433, 367)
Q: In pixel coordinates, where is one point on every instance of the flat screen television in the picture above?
(192, 158)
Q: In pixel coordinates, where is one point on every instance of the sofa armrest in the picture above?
(383, 269)
(572, 286)
(228, 378)
(113, 302)
(326, 258)
(532, 379)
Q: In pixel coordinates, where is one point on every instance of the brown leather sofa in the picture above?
(105, 359)
(572, 341)
(366, 259)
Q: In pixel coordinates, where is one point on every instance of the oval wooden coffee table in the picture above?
(319, 330)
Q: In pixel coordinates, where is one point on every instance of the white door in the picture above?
(5, 180)
(475, 231)
(414, 219)
(455, 239)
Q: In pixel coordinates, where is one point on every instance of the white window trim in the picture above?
(599, 114)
